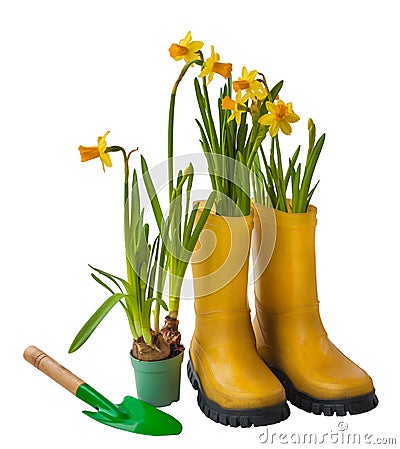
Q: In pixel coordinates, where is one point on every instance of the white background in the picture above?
(71, 71)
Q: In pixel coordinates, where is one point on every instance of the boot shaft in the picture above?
(220, 276)
(220, 264)
(285, 280)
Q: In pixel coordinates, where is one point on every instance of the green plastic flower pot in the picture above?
(158, 383)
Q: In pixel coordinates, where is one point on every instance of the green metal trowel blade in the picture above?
(132, 415)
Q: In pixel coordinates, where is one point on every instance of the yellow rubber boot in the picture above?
(290, 335)
(234, 385)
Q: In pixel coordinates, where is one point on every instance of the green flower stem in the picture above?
(132, 309)
(277, 175)
(213, 132)
(280, 170)
(131, 324)
(171, 142)
(264, 81)
(129, 270)
(171, 123)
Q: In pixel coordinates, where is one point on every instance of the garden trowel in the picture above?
(132, 414)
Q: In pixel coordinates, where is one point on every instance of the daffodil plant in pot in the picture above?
(157, 352)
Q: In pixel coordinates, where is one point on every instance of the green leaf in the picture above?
(188, 194)
(311, 193)
(272, 194)
(188, 227)
(179, 180)
(151, 192)
(162, 303)
(176, 212)
(259, 183)
(208, 154)
(201, 222)
(296, 174)
(259, 138)
(108, 276)
(130, 321)
(277, 175)
(205, 142)
(165, 239)
(242, 184)
(112, 277)
(292, 163)
(153, 262)
(92, 323)
(309, 171)
(103, 284)
(135, 201)
(213, 134)
(146, 310)
(202, 107)
(276, 89)
(242, 133)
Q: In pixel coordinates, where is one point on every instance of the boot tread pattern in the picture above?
(328, 407)
(236, 417)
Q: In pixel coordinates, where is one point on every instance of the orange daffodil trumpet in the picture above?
(237, 107)
(186, 49)
(212, 65)
(189, 50)
(88, 153)
(280, 117)
(253, 88)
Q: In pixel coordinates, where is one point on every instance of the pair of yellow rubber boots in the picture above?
(244, 373)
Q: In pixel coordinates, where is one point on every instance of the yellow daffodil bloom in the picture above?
(88, 153)
(280, 117)
(212, 65)
(186, 49)
(237, 107)
(247, 82)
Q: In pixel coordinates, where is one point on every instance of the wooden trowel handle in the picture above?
(53, 369)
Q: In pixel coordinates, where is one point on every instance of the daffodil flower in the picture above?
(247, 82)
(212, 65)
(186, 49)
(280, 117)
(237, 107)
(88, 153)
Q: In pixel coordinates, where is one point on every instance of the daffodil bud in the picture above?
(254, 111)
(311, 134)
(188, 170)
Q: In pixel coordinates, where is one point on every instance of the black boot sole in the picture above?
(328, 407)
(236, 417)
